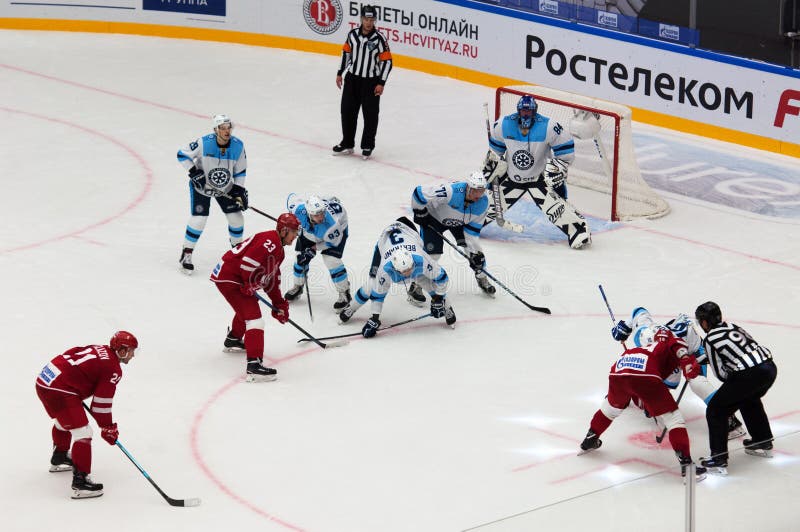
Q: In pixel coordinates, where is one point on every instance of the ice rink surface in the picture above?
(420, 429)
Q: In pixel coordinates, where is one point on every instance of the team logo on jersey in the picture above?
(323, 16)
(636, 362)
(219, 177)
(522, 159)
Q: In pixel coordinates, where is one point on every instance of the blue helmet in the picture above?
(526, 111)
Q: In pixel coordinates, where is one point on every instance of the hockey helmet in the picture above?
(289, 221)
(123, 339)
(526, 111)
(218, 120)
(476, 180)
(368, 11)
(710, 312)
(402, 260)
(314, 206)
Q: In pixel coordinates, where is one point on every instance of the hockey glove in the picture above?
(280, 310)
(621, 331)
(239, 195)
(494, 167)
(555, 173)
(371, 327)
(437, 306)
(305, 256)
(198, 177)
(422, 217)
(690, 367)
(110, 433)
(477, 261)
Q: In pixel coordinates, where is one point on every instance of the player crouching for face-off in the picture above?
(639, 373)
(253, 265)
(399, 257)
(77, 374)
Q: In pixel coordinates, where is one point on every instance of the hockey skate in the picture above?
(415, 295)
(718, 465)
(487, 287)
(258, 373)
(699, 471)
(83, 487)
(233, 344)
(186, 261)
(366, 154)
(60, 461)
(450, 317)
(343, 301)
(341, 150)
(293, 293)
(590, 443)
(735, 428)
(581, 240)
(762, 449)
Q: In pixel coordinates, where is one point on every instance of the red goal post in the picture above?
(604, 157)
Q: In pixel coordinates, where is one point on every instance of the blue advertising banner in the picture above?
(195, 7)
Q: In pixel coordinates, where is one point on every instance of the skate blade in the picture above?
(82, 494)
(348, 151)
(582, 452)
(261, 378)
(697, 477)
(365, 157)
(761, 453)
(721, 471)
(416, 303)
(60, 467)
(232, 350)
(736, 433)
(184, 271)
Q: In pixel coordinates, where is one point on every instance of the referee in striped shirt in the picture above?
(368, 61)
(747, 372)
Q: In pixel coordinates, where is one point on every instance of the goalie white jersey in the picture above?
(527, 153)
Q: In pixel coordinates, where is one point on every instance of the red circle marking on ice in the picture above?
(647, 440)
(130, 206)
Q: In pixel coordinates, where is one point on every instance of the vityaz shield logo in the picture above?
(323, 16)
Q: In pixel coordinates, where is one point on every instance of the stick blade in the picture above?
(336, 343)
(191, 502)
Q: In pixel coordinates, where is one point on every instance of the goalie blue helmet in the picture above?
(526, 111)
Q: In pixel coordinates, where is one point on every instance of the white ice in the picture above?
(421, 429)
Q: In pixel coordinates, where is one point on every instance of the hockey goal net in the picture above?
(604, 156)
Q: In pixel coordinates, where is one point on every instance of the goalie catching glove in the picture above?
(494, 166)
(555, 173)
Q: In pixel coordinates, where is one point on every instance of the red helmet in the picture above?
(289, 221)
(123, 339)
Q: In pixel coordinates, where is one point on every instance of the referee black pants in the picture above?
(359, 94)
(742, 391)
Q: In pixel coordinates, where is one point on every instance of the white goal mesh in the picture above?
(604, 158)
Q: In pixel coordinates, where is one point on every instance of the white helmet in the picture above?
(476, 180)
(314, 206)
(218, 120)
(402, 260)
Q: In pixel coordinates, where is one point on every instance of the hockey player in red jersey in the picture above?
(638, 375)
(77, 374)
(255, 264)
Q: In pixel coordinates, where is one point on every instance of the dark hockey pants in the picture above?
(359, 94)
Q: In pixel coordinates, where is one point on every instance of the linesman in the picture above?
(747, 372)
(367, 61)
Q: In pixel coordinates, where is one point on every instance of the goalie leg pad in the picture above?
(562, 215)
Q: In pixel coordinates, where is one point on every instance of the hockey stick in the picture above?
(172, 502)
(543, 310)
(660, 438)
(610, 312)
(296, 326)
(308, 298)
(358, 333)
(497, 193)
(262, 213)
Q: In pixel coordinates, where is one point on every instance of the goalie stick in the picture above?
(296, 326)
(497, 193)
(379, 329)
(172, 502)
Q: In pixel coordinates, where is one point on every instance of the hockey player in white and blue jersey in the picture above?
(324, 223)
(217, 166)
(460, 208)
(399, 258)
(642, 328)
(531, 153)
